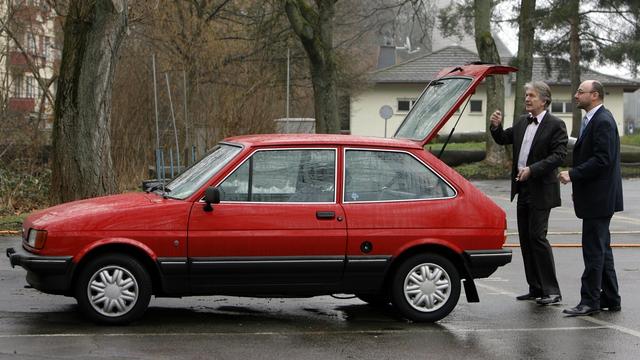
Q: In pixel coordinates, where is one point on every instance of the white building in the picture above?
(30, 53)
(400, 85)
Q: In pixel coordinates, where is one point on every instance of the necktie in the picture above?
(532, 119)
(583, 125)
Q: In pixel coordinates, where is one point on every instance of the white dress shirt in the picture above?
(590, 114)
(529, 134)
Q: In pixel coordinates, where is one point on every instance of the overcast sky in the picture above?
(509, 34)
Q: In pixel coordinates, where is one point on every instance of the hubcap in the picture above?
(427, 287)
(112, 291)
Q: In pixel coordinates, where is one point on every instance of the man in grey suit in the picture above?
(539, 146)
(597, 194)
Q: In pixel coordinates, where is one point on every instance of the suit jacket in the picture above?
(595, 176)
(548, 150)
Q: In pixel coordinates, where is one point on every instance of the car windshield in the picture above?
(434, 103)
(198, 174)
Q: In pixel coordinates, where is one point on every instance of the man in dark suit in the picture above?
(597, 194)
(539, 146)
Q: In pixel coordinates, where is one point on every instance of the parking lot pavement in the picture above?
(564, 226)
(35, 325)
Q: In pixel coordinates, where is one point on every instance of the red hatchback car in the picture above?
(285, 216)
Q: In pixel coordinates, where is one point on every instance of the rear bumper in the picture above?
(49, 274)
(483, 263)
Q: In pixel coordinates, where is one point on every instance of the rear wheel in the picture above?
(426, 288)
(113, 289)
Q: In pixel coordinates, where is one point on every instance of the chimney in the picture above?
(387, 56)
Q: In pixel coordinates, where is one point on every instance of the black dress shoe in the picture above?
(527, 296)
(581, 310)
(549, 299)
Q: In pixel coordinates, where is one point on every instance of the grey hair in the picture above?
(543, 90)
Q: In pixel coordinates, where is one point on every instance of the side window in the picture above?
(385, 175)
(283, 176)
(236, 186)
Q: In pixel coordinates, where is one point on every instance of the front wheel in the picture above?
(426, 288)
(113, 289)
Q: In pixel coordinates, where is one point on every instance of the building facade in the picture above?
(31, 52)
(400, 85)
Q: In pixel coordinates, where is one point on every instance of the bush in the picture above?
(630, 140)
(482, 170)
(22, 192)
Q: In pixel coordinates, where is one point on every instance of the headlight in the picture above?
(36, 238)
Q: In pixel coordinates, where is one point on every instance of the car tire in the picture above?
(113, 289)
(377, 300)
(425, 288)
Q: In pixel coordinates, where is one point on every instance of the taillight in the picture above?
(36, 238)
(505, 230)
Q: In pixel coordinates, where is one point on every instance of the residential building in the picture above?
(400, 85)
(30, 56)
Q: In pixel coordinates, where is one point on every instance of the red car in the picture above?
(285, 216)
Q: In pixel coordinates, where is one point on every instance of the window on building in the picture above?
(404, 105)
(47, 45)
(31, 44)
(475, 106)
(30, 88)
(17, 86)
(561, 106)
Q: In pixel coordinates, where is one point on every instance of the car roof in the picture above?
(321, 140)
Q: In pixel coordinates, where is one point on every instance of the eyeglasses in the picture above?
(580, 91)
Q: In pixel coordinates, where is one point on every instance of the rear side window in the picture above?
(388, 175)
(283, 176)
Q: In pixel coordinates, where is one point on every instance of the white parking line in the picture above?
(298, 333)
(591, 319)
(613, 326)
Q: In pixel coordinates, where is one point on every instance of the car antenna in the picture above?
(454, 128)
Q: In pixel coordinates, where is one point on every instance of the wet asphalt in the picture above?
(39, 326)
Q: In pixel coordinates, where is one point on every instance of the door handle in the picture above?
(325, 215)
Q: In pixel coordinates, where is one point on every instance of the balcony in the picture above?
(22, 105)
(19, 61)
(31, 11)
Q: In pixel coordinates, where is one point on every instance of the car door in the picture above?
(278, 226)
(391, 199)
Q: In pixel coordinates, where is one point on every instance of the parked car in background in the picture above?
(285, 216)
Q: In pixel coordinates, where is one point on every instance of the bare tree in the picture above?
(524, 59)
(488, 52)
(82, 164)
(314, 28)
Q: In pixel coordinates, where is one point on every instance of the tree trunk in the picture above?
(574, 60)
(488, 52)
(82, 164)
(315, 31)
(526, 24)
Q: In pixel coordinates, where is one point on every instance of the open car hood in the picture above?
(443, 97)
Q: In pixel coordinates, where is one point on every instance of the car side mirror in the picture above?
(211, 196)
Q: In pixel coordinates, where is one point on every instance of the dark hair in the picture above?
(542, 89)
(596, 86)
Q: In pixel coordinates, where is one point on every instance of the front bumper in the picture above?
(49, 274)
(483, 263)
